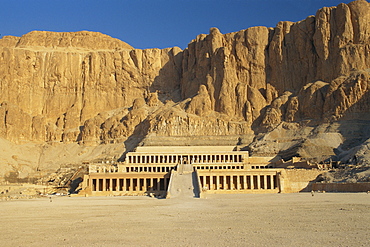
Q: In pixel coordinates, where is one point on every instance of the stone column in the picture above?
(245, 182)
(124, 185)
(158, 184)
(252, 181)
(165, 183)
(90, 184)
(137, 184)
(145, 185)
(258, 182)
(97, 184)
(104, 184)
(211, 183)
(225, 182)
(265, 182)
(131, 184)
(238, 182)
(150, 185)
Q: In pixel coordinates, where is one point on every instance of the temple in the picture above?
(170, 171)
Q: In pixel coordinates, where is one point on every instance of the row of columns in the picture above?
(261, 167)
(218, 167)
(103, 168)
(148, 168)
(128, 184)
(198, 158)
(239, 182)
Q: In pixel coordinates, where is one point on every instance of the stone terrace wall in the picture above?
(341, 187)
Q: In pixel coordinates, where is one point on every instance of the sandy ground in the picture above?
(328, 219)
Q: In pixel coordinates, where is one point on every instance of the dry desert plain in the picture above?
(325, 219)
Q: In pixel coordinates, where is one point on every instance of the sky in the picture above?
(151, 23)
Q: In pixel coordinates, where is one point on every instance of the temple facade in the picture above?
(157, 171)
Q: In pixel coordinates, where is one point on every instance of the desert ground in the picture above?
(325, 219)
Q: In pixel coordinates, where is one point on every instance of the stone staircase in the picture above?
(183, 183)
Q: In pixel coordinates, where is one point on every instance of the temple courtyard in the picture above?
(296, 219)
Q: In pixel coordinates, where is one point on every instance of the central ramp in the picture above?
(184, 183)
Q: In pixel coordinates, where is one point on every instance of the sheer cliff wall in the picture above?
(90, 88)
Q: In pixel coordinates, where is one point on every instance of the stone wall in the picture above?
(298, 180)
(342, 187)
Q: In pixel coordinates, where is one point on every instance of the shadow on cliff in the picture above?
(355, 125)
(140, 132)
(167, 83)
(257, 126)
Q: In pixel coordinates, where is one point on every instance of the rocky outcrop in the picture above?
(61, 79)
(81, 40)
(292, 57)
(200, 104)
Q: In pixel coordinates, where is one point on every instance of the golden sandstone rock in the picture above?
(91, 89)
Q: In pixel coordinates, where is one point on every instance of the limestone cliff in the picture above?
(91, 89)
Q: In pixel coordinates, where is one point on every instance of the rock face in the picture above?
(91, 89)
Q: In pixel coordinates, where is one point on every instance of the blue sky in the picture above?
(151, 24)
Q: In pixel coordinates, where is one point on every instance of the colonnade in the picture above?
(239, 182)
(219, 167)
(261, 166)
(144, 168)
(129, 184)
(103, 168)
(137, 158)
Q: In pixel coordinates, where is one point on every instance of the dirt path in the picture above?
(220, 220)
